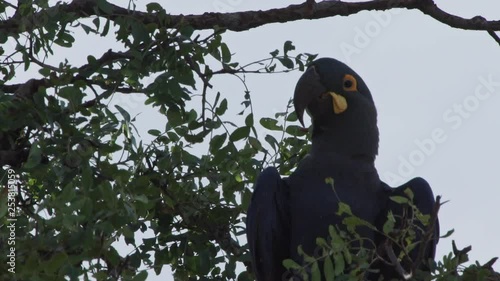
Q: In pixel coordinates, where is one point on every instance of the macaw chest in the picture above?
(314, 203)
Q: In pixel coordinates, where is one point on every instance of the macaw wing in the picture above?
(268, 226)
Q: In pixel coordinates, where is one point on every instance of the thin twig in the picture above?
(428, 236)
(494, 35)
(206, 85)
(38, 62)
(395, 262)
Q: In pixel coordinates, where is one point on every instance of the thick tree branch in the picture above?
(240, 21)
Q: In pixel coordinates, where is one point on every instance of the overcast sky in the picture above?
(437, 91)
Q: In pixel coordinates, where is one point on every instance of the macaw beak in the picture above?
(308, 88)
(339, 102)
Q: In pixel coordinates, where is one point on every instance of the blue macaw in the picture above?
(287, 212)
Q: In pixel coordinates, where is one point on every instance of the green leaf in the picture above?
(154, 132)
(338, 259)
(306, 257)
(240, 133)
(347, 256)
(332, 231)
(329, 181)
(204, 262)
(409, 193)
(245, 199)
(272, 141)
(270, 124)
(87, 177)
(296, 131)
(216, 142)
(105, 29)
(104, 6)
(298, 61)
(226, 54)
(173, 136)
(124, 113)
(320, 241)
(328, 269)
(186, 30)
(44, 71)
(344, 209)
(315, 272)
(55, 262)
(174, 117)
(34, 157)
(249, 120)
(448, 234)
(139, 32)
(292, 117)
(255, 143)
(291, 264)
(96, 21)
(64, 39)
(141, 276)
(424, 219)
(87, 29)
(245, 276)
(198, 138)
(288, 46)
(153, 7)
(141, 198)
(399, 199)
(221, 109)
(286, 62)
(389, 224)
(353, 222)
(216, 54)
(72, 94)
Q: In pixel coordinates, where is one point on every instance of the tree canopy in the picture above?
(77, 175)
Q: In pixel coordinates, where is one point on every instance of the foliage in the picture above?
(89, 180)
(347, 256)
(83, 179)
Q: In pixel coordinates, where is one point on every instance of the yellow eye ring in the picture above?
(349, 83)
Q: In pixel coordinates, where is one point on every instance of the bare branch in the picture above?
(395, 262)
(240, 21)
(494, 35)
(44, 65)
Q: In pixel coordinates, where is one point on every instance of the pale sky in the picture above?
(428, 82)
(437, 91)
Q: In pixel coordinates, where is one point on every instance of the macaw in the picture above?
(287, 212)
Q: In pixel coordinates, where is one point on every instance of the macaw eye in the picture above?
(350, 83)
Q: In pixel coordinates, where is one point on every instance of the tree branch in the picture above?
(241, 21)
(84, 71)
(428, 236)
(494, 35)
